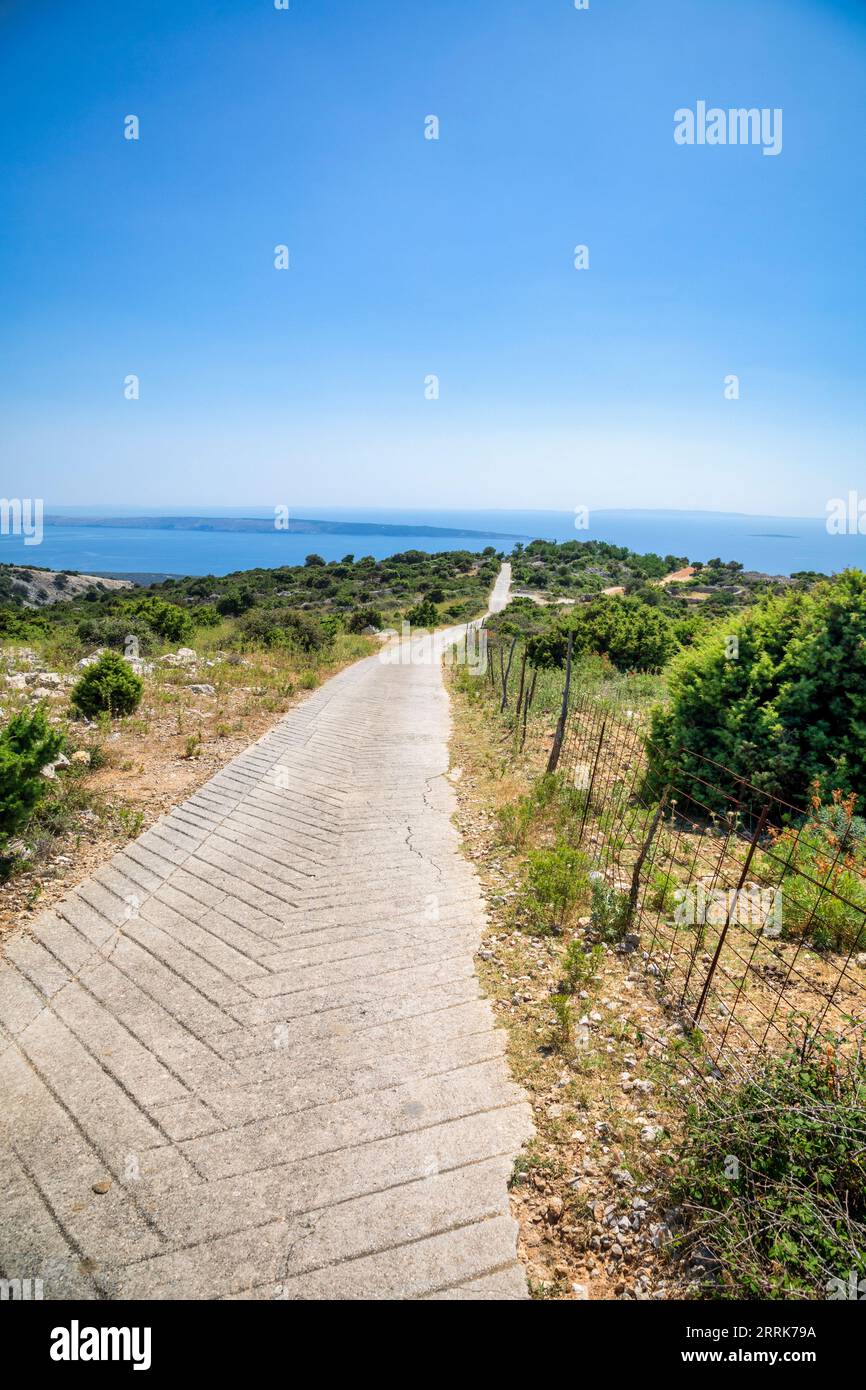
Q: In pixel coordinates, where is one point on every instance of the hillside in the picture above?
(34, 588)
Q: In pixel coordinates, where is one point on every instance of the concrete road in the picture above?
(250, 1057)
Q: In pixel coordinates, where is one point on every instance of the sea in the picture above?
(773, 545)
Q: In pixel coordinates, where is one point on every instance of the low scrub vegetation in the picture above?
(772, 1179)
(109, 686)
(608, 911)
(819, 867)
(248, 642)
(27, 744)
(555, 883)
(779, 698)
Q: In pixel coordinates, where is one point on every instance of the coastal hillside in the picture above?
(30, 587)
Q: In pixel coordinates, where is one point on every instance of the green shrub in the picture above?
(842, 828)
(515, 821)
(661, 893)
(551, 802)
(633, 636)
(235, 600)
(787, 710)
(170, 623)
(22, 624)
(113, 629)
(819, 870)
(772, 1177)
(827, 922)
(819, 899)
(555, 881)
(27, 744)
(151, 620)
(546, 651)
(608, 911)
(424, 614)
(108, 686)
(204, 615)
(579, 966)
(283, 627)
(560, 1039)
(364, 617)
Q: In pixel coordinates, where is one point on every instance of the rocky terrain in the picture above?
(37, 587)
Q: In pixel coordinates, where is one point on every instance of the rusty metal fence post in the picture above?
(639, 862)
(589, 790)
(734, 906)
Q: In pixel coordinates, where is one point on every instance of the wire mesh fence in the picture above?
(748, 913)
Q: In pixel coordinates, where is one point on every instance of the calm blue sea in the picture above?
(776, 545)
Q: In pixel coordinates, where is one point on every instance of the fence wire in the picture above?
(747, 912)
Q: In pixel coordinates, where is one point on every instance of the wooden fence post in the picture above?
(527, 702)
(504, 704)
(520, 689)
(553, 760)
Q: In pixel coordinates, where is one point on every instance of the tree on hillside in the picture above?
(364, 617)
(424, 614)
(27, 744)
(236, 600)
(167, 620)
(632, 635)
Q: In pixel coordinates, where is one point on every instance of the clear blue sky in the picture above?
(601, 387)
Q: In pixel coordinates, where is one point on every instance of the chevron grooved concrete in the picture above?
(260, 1021)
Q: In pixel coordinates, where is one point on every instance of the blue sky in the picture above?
(559, 387)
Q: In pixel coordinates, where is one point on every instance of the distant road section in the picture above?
(501, 595)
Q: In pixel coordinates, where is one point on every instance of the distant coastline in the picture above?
(259, 525)
(117, 539)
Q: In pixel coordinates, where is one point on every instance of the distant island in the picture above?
(261, 525)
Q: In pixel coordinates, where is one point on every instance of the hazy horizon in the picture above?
(311, 510)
